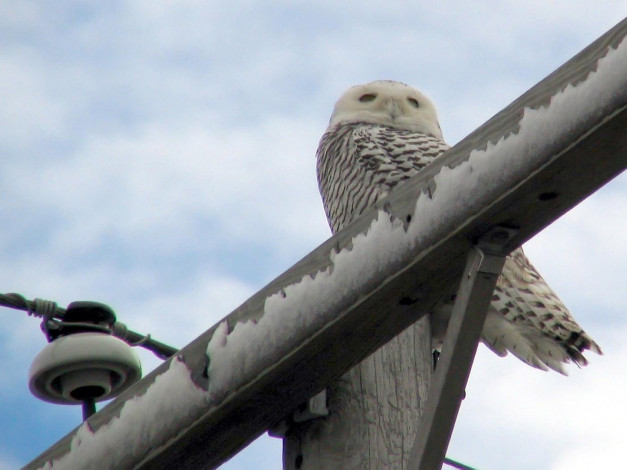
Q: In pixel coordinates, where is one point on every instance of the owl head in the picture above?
(388, 103)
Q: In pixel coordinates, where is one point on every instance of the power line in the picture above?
(52, 313)
(459, 465)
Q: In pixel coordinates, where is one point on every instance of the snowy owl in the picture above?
(383, 133)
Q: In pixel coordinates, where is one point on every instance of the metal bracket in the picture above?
(315, 407)
(484, 265)
(495, 240)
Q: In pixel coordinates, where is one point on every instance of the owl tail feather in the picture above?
(542, 353)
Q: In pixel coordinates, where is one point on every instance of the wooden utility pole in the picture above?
(380, 403)
(373, 410)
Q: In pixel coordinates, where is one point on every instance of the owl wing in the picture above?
(528, 319)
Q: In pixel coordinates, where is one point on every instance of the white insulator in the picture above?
(83, 365)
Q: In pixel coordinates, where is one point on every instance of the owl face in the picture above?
(387, 103)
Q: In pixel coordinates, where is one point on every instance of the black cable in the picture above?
(50, 310)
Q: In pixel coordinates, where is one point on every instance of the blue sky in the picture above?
(160, 157)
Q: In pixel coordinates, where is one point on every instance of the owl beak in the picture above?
(393, 108)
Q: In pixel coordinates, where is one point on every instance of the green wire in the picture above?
(459, 465)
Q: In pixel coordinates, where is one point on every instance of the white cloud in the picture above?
(194, 188)
(8, 463)
(542, 420)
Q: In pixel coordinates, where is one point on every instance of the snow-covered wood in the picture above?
(522, 169)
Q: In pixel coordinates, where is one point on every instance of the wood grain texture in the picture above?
(373, 410)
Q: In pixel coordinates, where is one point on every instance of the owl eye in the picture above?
(413, 102)
(367, 98)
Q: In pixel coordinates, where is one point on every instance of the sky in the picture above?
(159, 157)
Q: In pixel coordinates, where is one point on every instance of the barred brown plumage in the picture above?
(373, 144)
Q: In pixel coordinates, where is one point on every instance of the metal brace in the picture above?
(484, 264)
